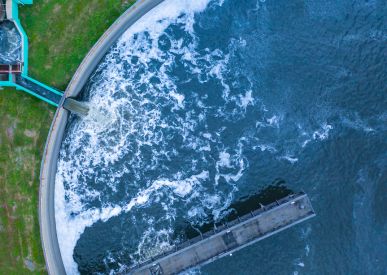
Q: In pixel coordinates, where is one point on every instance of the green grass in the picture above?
(24, 125)
(60, 34)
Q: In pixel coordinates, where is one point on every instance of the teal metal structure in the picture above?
(15, 19)
(43, 90)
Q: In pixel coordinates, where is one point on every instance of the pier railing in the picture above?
(224, 227)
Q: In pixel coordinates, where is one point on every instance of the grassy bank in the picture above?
(60, 34)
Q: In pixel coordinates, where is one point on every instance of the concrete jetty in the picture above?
(230, 237)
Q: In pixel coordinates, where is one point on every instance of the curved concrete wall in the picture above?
(49, 163)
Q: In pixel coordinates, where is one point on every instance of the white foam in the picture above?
(165, 14)
(305, 142)
(178, 97)
(106, 139)
(153, 242)
(129, 117)
(70, 227)
(307, 250)
(274, 121)
(265, 147)
(247, 99)
(224, 159)
(11, 44)
(207, 135)
(290, 158)
(356, 122)
(323, 133)
(181, 187)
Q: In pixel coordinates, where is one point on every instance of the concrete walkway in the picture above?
(238, 234)
(48, 233)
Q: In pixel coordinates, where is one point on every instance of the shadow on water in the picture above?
(277, 190)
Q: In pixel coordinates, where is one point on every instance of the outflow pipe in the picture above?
(48, 170)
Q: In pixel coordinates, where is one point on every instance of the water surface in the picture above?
(10, 43)
(202, 103)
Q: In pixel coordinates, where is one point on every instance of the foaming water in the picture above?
(100, 118)
(102, 138)
(191, 109)
(10, 43)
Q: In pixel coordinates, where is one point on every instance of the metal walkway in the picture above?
(38, 89)
(231, 237)
(14, 72)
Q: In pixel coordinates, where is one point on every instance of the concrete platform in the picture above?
(236, 235)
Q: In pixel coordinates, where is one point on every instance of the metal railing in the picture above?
(219, 228)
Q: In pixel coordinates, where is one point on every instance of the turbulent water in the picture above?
(201, 103)
(10, 43)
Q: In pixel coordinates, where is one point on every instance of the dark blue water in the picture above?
(203, 104)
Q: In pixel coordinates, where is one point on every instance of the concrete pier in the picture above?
(231, 237)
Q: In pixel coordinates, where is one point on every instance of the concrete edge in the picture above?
(92, 59)
(48, 170)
